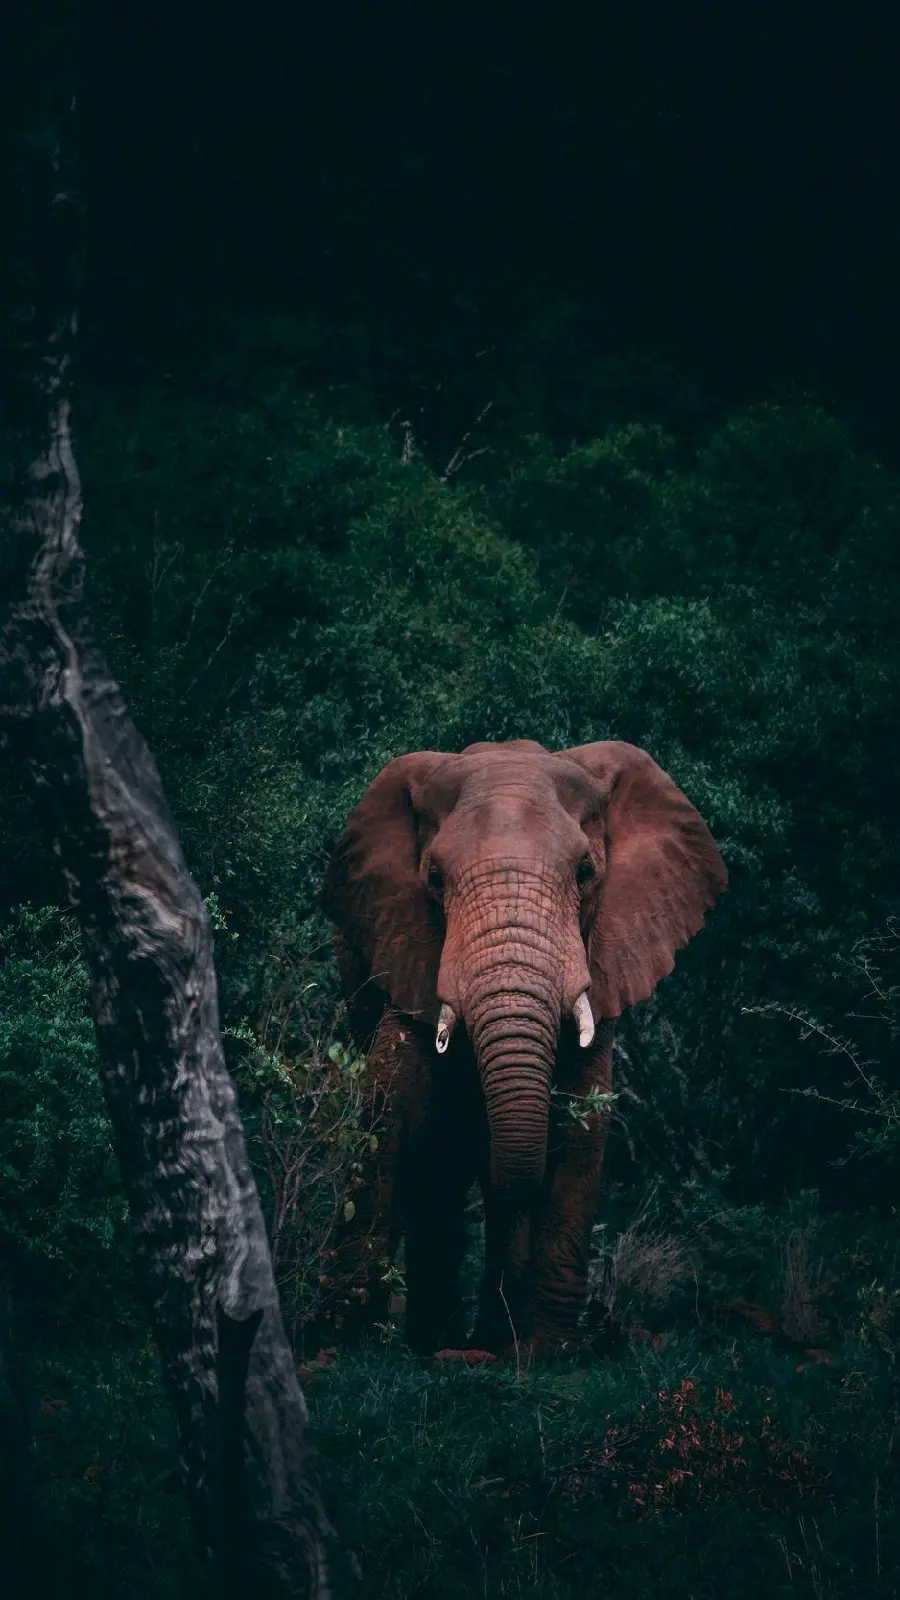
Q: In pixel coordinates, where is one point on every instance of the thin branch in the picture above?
(220, 646)
(459, 456)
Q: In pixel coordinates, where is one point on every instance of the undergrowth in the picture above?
(660, 1473)
(724, 1446)
(734, 1428)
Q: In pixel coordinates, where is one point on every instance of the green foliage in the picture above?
(702, 1451)
(106, 1471)
(872, 1098)
(62, 1212)
(289, 603)
(313, 1138)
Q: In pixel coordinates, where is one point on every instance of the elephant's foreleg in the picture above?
(435, 1245)
(507, 1251)
(559, 1272)
(437, 1167)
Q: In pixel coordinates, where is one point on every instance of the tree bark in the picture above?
(201, 1252)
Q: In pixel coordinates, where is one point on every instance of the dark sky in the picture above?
(714, 184)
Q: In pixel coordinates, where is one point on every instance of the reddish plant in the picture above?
(687, 1448)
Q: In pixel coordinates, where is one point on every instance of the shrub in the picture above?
(62, 1211)
(314, 1136)
(690, 1447)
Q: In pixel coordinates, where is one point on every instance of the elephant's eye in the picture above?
(435, 878)
(585, 871)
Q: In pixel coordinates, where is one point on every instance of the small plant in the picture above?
(641, 1265)
(62, 1210)
(804, 1285)
(873, 1099)
(578, 1107)
(316, 1140)
(879, 1318)
(689, 1447)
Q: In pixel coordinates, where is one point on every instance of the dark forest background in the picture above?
(450, 375)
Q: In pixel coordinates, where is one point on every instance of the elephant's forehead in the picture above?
(490, 750)
(506, 775)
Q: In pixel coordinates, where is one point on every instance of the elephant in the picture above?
(494, 911)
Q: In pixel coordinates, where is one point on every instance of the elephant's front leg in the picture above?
(415, 1184)
(559, 1272)
(502, 1304)
(499, 1322)
(435, 1171)
(434, 1184)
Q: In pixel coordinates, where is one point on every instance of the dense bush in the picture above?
(706, 1448)
(61, 1202)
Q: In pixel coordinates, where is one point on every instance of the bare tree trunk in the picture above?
(201, 1251)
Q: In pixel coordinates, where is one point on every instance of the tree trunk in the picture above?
(201, 1252)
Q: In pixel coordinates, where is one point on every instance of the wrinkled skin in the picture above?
(481, 903)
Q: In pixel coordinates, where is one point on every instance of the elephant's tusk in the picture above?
(445, 1024)
(582, 1014)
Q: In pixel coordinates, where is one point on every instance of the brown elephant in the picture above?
(495, 910)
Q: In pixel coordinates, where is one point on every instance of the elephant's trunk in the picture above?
(512, 1002)
(515, 1048)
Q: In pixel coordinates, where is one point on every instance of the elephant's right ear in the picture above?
(393, 928)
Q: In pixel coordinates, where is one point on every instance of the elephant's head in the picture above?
(514, 889)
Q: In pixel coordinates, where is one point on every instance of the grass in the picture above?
(715, 1456)
(106, 1470)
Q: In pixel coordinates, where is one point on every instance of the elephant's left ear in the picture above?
(663, 872)
(391, 928)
